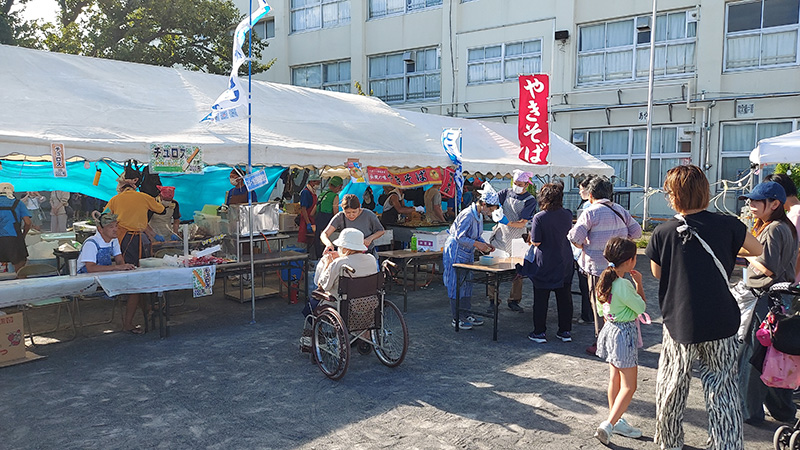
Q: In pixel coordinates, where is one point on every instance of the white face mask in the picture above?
(518, 189)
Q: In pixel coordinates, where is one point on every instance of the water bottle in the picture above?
(414, 243)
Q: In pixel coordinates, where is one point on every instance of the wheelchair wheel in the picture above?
(331, 344)
(391, 339)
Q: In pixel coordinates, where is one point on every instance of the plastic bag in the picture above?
(781, 370)
(747, 304)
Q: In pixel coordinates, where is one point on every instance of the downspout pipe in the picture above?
(704, 126)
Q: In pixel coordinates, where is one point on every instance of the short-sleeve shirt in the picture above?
(550, 228)
(626, 304)
(7, 218)
(89, 250)
(794, 215)
(696, 302)
(366, 222)
(131, 207)
(526, 204)
(779, 256)
(433, 196)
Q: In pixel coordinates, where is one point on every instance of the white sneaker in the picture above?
(475, 321)
(462, 325)
(623, 428)
(604, 432)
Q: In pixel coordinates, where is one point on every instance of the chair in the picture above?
(45, 270)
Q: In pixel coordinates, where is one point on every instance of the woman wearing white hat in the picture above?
(351, 253)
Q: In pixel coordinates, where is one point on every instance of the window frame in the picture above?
(629, 157)
(635, 48)
(407, 75)
(407, 8)
(503, 59)
(731, 154)
(320, 4)
(760, 32)
(324, 84)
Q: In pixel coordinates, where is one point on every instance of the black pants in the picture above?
(541, 300)
(587, 313)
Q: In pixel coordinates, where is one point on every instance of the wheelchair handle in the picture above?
(388, 262)
(348, 269)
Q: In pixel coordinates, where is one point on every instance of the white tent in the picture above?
(110, 109)
(497, 143)
(779, 149)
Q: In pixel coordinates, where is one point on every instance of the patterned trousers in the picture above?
(718, 375)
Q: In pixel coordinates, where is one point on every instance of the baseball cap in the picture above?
(768, 190)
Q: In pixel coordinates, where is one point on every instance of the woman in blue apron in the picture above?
(465, 237)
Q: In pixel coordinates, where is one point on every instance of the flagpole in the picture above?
(250, 159)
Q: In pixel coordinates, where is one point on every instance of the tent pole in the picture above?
(250, 161)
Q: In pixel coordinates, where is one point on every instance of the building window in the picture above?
(503, 62)
(624, 150)
(405, 76)
(620, 50)
(265, 29)
(761, 34)
(316, 14)
(331, 76)
(739, 139)
(381, 8)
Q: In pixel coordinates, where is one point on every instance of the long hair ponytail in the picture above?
(618, 250)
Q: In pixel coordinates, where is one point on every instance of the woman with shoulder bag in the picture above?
(776, 264)
(693, 256)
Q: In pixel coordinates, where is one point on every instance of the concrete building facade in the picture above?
(727, 73)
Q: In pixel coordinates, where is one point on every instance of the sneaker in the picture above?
(592, 349)
(604, 432)
(623, 428)
(582, 321)
(514, 306)
(540, 338)
(462, 325)
(565, 336)
(475, 321)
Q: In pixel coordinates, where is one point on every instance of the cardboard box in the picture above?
(12, 338)
(431, 242)
(292, 208)
(286, 222)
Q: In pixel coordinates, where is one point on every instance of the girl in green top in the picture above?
(620, 302)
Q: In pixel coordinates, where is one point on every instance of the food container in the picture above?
(488, 260)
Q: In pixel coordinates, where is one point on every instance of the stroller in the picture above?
(786, 437)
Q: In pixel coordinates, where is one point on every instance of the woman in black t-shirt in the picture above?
(700, 315)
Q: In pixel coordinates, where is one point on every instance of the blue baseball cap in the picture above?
(768, 190)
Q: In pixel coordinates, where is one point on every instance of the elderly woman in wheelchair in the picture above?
(348, 307)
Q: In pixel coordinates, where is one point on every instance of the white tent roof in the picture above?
(493, 148)
(779, 149)
(102, 108)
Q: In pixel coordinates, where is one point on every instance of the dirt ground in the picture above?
(222, 382)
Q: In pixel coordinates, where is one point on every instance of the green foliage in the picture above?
(793, 170)
(14, 30)
(193, 34)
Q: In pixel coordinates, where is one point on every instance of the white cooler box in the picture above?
(431, 242)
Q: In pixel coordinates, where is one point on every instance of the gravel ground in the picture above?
(221, 382)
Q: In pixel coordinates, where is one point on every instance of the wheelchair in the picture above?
(359, 309)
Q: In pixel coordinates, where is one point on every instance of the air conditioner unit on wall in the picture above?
(643, 23)
(685, 134)
(692, 15)
(579, 137)
(410, 56)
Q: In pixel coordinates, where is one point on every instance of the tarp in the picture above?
(779, 149)
(484, 142)
(191, 191)
(102, 108)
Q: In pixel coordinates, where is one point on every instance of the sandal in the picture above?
(135, 330)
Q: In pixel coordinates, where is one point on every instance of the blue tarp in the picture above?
(191, 191)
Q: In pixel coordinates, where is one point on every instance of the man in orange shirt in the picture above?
(131, 208)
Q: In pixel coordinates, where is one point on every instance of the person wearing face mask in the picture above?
(238, 194)
(166, 224)
(465, 237)
(519, 206)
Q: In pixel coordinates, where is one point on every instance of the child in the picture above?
(620, 304)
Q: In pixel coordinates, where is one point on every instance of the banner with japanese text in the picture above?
(534, 132)
(413, 178)
(167, 158)
(59, 160)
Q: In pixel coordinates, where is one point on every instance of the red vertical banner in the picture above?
(534, 132)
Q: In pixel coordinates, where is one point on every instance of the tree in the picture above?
(14, 30)
(194, 34)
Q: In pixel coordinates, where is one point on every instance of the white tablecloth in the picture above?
(162, 279)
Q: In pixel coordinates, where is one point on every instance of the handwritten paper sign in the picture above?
(167, 158)
(59, 160)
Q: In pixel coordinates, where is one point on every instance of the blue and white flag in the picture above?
(230, 105)
(451, 141)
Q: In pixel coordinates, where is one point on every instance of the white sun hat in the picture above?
(351, 239)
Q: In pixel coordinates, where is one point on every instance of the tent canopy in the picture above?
(779, 149)
(102, 108)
